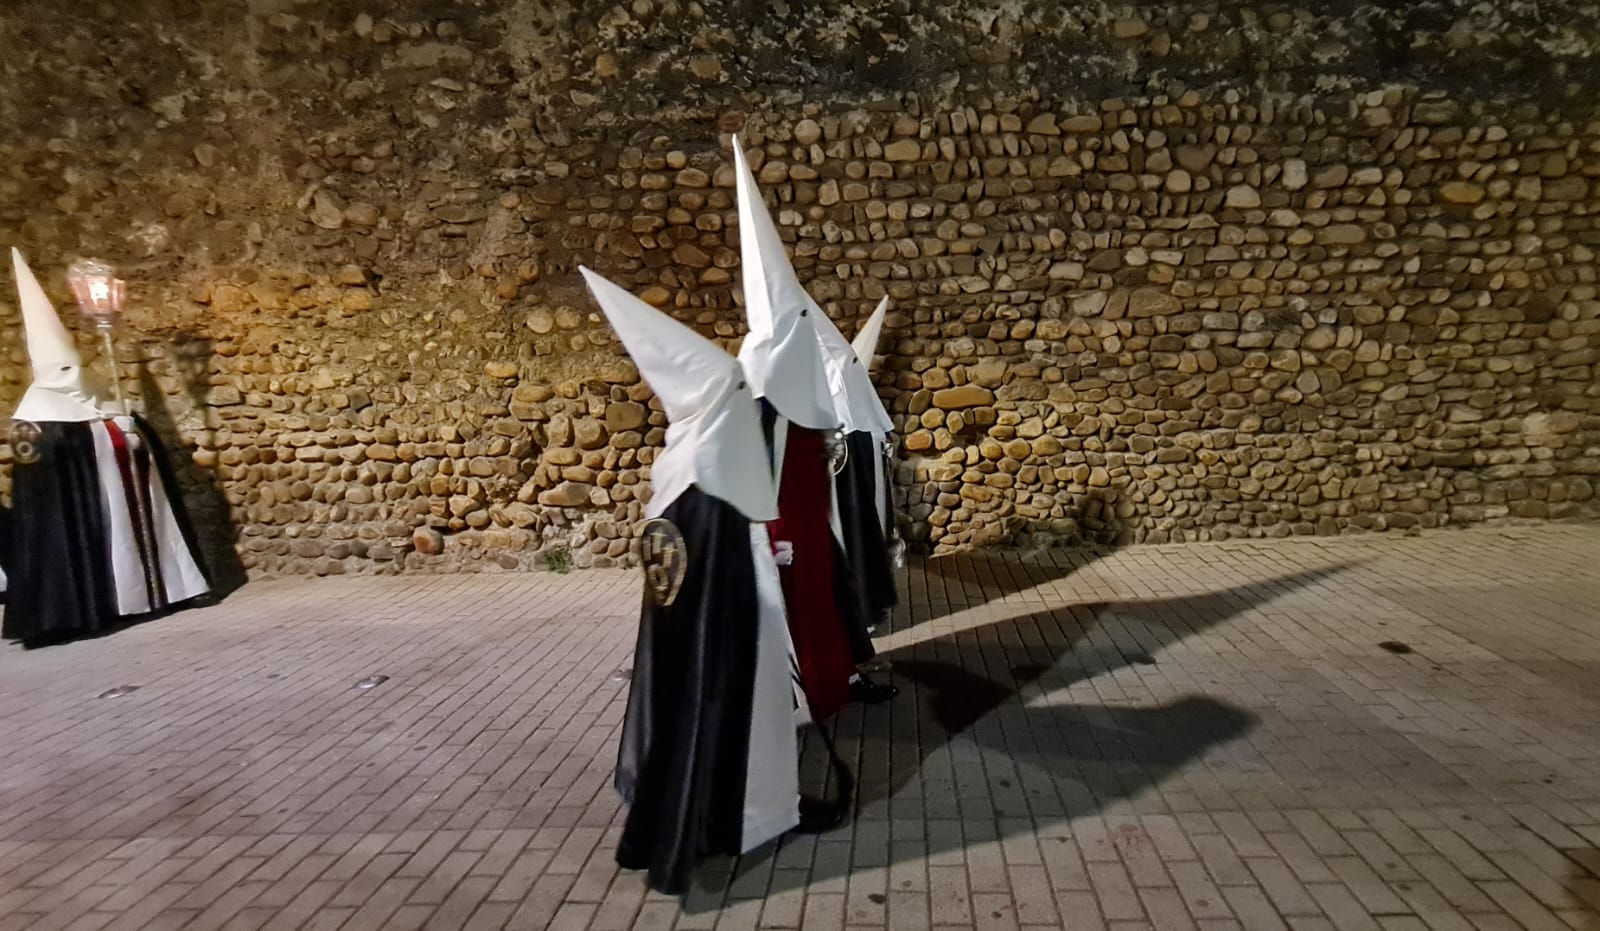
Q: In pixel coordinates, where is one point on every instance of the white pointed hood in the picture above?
(781, 354)
(714, 437)
(855, 399)
(866, 342)
(58, 393)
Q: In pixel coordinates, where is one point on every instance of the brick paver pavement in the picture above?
(1186, 738)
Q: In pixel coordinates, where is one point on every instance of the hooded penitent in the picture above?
(783, 356)
(58, 393)
(781, 352)
(709, 762)
(98, 531)
(861, 483)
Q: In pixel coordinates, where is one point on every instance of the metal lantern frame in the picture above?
(100, 295)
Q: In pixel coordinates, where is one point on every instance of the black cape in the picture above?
(59, 571)
(685, 740)
(5, 546)
(866, 540)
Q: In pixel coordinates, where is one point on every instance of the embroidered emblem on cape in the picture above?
(24, 438)
(838, 451)
(666, 560)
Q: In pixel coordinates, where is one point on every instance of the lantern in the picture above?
(100, 294)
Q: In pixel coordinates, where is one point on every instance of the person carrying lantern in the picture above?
(98, 532)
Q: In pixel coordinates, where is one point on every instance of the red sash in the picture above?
(134, 466)
(815, 624)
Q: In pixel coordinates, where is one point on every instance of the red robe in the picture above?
(815, 624)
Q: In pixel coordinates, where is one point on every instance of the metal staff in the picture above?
(897, 545)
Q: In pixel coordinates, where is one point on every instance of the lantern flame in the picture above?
(98, 291)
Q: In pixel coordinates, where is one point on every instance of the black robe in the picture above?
(60, 577)
(865, 538)
(686, 737)
(5, 547)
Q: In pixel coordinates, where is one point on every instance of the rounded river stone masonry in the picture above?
(1156, 274)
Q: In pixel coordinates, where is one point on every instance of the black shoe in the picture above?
(868, 692)
(818, 816)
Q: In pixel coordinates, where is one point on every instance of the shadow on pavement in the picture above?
(975, 725)
(207, 504)
(972, 578)
(1583, 887)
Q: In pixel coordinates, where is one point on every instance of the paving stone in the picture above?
(1204, 737)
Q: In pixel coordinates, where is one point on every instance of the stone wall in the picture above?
(1176, 272)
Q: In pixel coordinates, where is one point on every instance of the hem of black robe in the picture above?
(853, 609)
(116, 625)
(870, 562)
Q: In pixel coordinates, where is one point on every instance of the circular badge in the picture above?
(665, 557)
(25, 437)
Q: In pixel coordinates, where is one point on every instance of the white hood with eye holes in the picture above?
(58, 393)
(781, 353)
(855, 399)
(714, 438)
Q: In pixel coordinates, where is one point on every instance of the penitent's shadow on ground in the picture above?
(948, 583)
(1583, 888)
(204, 498)
(954, 582)
(974, 737)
